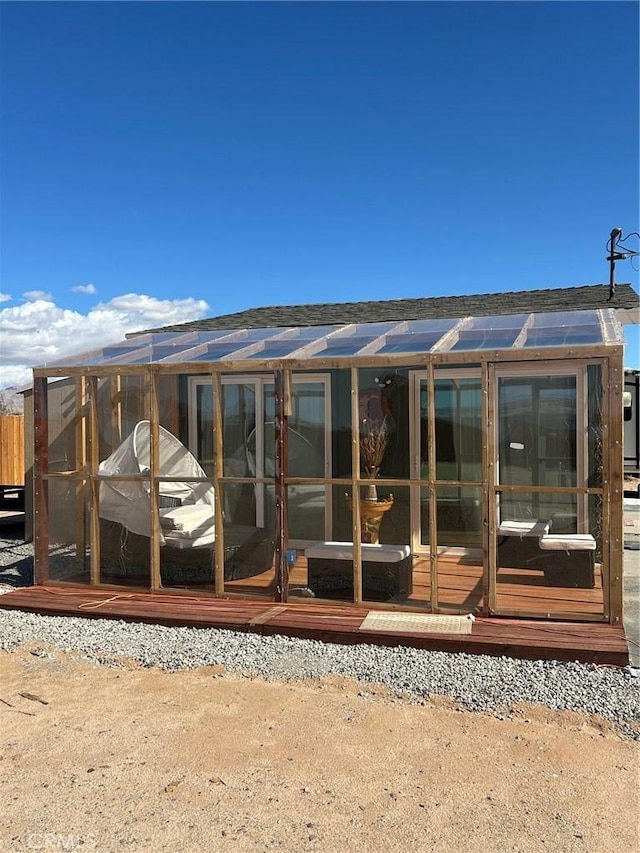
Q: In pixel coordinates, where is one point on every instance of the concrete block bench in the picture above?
(387, 571)
(569, 559)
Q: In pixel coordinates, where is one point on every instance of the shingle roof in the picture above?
(440, 307)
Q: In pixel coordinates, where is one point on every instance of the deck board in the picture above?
(522, 638)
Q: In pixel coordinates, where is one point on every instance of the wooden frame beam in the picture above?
(218, 472)
(615, 491)
(281, 456)
(94, 491)
(356, 511)
(40, 488)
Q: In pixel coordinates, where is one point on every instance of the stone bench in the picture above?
(387, 571)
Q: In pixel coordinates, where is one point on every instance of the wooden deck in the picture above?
(519, 592)
(595, 642)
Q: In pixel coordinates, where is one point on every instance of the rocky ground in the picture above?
(118, 736)
(206, 760)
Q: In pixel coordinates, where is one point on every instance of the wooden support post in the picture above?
(154, 456)
(94, 495)
(356, 529)
(281, 453)
(218, 473)
(80, 465)
(615, 489)
(116, 411)
(433, 495)
(40, 469)
(487, 465)
(492, 481)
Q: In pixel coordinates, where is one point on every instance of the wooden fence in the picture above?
(11, 450)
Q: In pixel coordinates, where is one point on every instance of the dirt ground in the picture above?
(132, 759)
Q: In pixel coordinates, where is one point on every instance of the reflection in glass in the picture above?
(537, 444)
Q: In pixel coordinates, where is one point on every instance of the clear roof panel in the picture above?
(485, 339)
(576, 328)
(505, 321)
(409, 343)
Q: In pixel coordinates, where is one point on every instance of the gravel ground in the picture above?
(481, 683)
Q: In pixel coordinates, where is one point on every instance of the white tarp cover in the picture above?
(188, 523)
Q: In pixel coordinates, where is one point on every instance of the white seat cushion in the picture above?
(370, 553)
(523, 528)
(185, 521)
(568, 542)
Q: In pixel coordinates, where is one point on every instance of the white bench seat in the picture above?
(524, 528)
(569, 559)
(387, 571)
(370, 553)
(568, 542)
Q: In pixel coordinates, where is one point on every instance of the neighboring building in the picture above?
(632, 422)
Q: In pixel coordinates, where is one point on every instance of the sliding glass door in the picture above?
(548, 525)
(539, 445)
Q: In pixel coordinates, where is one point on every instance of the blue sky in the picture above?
(166, 161)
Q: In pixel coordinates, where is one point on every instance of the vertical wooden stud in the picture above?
(281, 453)
(433, 495)
(94, 496)
(492, 483)
(355, 486)
(80, 465)
(40, 469)
(156, 577)
(218, 473)
(615, 490)
(116, 411)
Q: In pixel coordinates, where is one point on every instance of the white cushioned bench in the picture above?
(370, 553)
(524, 528)
(518, 543)
(568, 542)
(571, 559)
(387, 570)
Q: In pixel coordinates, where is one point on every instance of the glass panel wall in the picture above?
(458, 447)
(67, 441)
(249, 552)
(123, 453)
(549, 536)
(549, 441)
(550, 572)
(69, 549)
(243, 442)
(248, 498)
(538, 445)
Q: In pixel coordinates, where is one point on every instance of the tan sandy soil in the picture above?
(137, 759)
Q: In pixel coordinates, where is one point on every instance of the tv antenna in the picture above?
(618, 252)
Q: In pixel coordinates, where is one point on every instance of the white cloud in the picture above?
(15, 376)
(5, 297)
(37, 295)
(38, 332)
(84, 288)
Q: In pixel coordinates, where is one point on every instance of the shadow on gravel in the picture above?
(16, 557)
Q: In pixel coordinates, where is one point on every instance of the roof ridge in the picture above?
(586, 296)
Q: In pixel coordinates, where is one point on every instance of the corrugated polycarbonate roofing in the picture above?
(517, 331)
